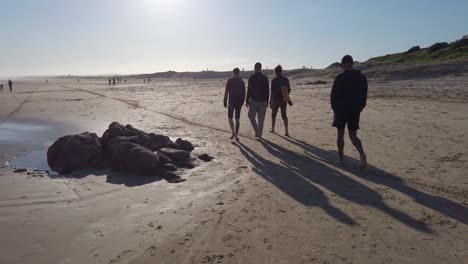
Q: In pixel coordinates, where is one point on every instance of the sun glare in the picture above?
(163, 7)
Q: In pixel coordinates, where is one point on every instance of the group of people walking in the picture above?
(257, 99)
(348, 98)
(10, 86)
(113, 80)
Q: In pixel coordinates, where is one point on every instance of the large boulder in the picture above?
(75, 152)
(117, 133)
(130, 157)
(133, 158)
(177, 155)
(184, 144)
(123, 148)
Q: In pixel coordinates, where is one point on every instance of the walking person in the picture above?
(1, 87)
(234, 97)
(280, 89)
(348, 99)
(257, 99)
(10, 85)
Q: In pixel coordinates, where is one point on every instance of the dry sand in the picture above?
(277, 201)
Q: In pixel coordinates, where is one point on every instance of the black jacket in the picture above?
(276, 83)
(258, 88)
(235, 91)
(349, 92)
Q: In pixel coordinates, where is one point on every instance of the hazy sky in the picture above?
(135, 36)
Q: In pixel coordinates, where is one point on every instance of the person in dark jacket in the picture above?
(279, 100)
(348, 99)
(257, 99)
(10, 85)
(234, 97)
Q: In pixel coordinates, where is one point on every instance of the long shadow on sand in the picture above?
(440, 204)
(298, 176)
(293, 184)
(127, 179)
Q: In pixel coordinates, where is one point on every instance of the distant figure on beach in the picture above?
(144, 80)
(46, 81)
(10, 85)
(257, 99)
(348, 99)
(1, 87)
(78, 80)
(113, 81)
(280, 89)
(234, 97)
(110, 81)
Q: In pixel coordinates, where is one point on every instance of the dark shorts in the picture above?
(276, 106)
(350, 118)
(234, 109)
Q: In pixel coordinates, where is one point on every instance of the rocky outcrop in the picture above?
(176, 154)
(75, 152)
(130, 157)
(205, 157)
(413, 49)
(438, 46)
(316, 82)
(184, 144)
(124, 149)
(117, 133)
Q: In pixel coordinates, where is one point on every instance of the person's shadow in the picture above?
(293, 184)
(298, 176)
(440, 204)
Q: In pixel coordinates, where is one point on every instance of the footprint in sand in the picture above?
(98, 233)
(125, 252)
(151, 250)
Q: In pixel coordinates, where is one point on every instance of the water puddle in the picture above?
(36, 159)
(24, 132)
(27, 142)
(24, 143)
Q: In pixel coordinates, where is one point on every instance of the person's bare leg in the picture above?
(340, 144)
(237, 129)
(273, 123)
(358, 145)
(231, 125)
(286, 133)
(251, 114)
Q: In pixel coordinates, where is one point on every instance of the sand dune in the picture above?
(372, 69)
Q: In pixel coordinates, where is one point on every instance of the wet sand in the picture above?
(279, 201)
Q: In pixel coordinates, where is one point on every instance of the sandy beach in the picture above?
(282, 200)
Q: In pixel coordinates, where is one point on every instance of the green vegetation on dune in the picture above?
(436, 53)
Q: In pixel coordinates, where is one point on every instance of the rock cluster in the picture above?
(125, 149)
(316, 82)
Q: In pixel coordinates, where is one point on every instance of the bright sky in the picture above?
(141, 36)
